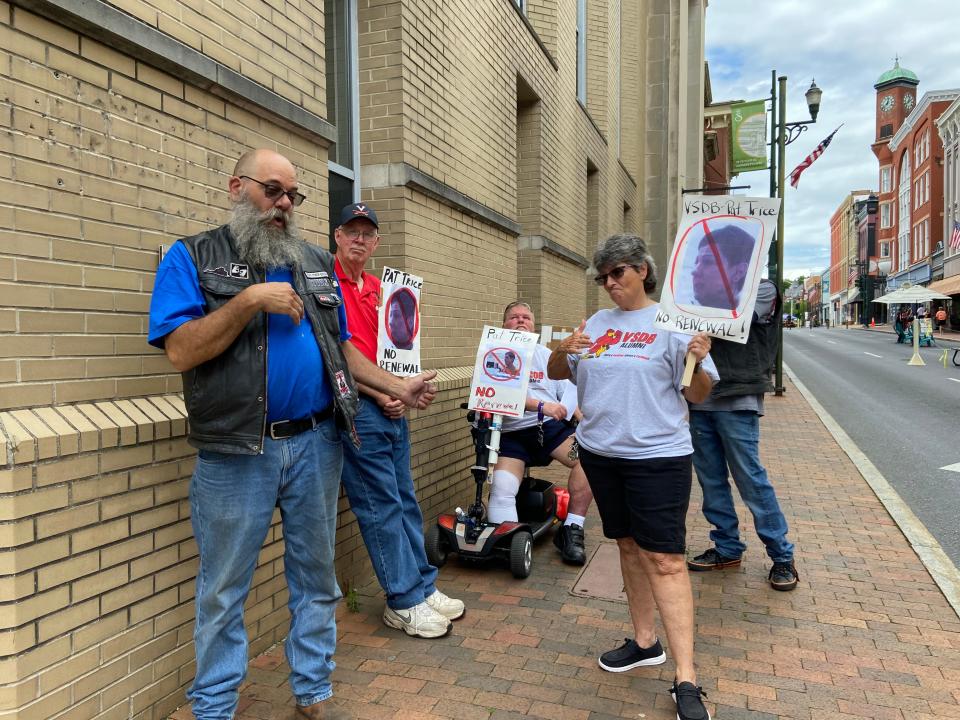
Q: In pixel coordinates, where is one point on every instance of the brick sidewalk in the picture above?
(866, 634)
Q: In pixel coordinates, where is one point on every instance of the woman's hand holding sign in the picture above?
(699, 345)
(696, 385)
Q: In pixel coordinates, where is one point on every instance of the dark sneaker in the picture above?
(569, 541)
(690, 706)
(630, 655)
(783, 576)
(712, 560)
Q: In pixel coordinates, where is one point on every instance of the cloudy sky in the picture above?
(836, 42)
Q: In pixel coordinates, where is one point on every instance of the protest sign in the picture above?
(711, 280)
(398, 335)
(502, 371)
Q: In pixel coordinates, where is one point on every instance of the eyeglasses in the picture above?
(274, 192)
(367, 235)
(616, 273)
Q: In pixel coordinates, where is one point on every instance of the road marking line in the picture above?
(941, 568)
(954, 379)
(872, 355)
(832, 342)
(952, 468)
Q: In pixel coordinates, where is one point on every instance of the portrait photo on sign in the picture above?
(503, 365)
(711, 271)
(403, 319)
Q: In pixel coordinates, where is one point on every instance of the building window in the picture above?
(582, 52)
(884, 250)
(886, 215)
(903, 214)
(886, 179)
(522, 5)
(343, 106)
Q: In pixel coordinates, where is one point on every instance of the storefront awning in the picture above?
(947, 286)
(854, 296)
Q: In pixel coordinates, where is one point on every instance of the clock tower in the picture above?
(896, 96)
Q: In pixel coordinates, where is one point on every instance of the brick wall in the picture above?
(102, 160)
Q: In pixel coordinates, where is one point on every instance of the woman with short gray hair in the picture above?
(635, 447)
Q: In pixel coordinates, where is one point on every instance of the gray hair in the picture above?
(629, 249)
(516, 303)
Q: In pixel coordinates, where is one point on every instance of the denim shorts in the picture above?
(643, 499)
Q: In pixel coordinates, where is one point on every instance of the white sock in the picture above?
(574, 520)
(502, 506)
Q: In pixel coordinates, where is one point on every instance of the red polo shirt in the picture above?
(361, 307)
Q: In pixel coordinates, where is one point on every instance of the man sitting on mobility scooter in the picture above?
(538, 437)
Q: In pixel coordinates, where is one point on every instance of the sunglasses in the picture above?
(615, 274)
(274, 192)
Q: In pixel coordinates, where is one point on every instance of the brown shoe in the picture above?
(323, 710)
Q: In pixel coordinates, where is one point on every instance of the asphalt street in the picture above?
(902, 417)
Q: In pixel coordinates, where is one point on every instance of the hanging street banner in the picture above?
(398, 334)
(748, 136)
(716, 265)
(502, 371)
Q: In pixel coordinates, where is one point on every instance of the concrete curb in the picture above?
(941, 569)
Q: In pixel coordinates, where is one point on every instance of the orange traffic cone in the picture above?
(873, 323)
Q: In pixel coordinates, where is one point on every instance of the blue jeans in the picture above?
(732, 438)
(379, 485)
(232, 499)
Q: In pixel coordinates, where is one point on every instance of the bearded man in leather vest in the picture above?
(252, 316)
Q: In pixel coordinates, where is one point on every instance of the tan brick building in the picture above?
(498, 140)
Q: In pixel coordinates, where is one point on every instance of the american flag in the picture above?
(809, 159)
(955, 236)
(852, 277)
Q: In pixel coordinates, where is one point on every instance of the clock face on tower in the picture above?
(908, 101)
(886, 104)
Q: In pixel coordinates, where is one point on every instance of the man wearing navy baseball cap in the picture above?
(377, 477)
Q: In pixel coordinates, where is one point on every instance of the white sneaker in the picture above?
(419, 621)
(449, 607)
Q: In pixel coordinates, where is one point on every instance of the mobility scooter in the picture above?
(470, 535)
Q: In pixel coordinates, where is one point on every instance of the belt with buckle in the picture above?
(288, 428)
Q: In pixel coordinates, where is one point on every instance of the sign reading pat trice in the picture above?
(398, 335)
(710, 283)
(502, 371)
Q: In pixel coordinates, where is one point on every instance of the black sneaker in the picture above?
(712, 560)
(569, 541)
(783, 576)
(630, 655)
(689, 705)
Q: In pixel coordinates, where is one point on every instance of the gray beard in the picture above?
(260, 243)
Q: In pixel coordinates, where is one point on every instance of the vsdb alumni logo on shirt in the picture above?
(619, 340)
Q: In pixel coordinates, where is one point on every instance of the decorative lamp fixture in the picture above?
(813, 95)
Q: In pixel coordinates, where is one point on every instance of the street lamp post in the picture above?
(782, 134)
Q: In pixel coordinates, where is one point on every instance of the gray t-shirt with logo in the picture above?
(628, 385)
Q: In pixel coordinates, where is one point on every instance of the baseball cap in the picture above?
(358, 210)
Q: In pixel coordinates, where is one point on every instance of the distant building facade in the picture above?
(909, 150)
(948, 128)
(843, 258)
